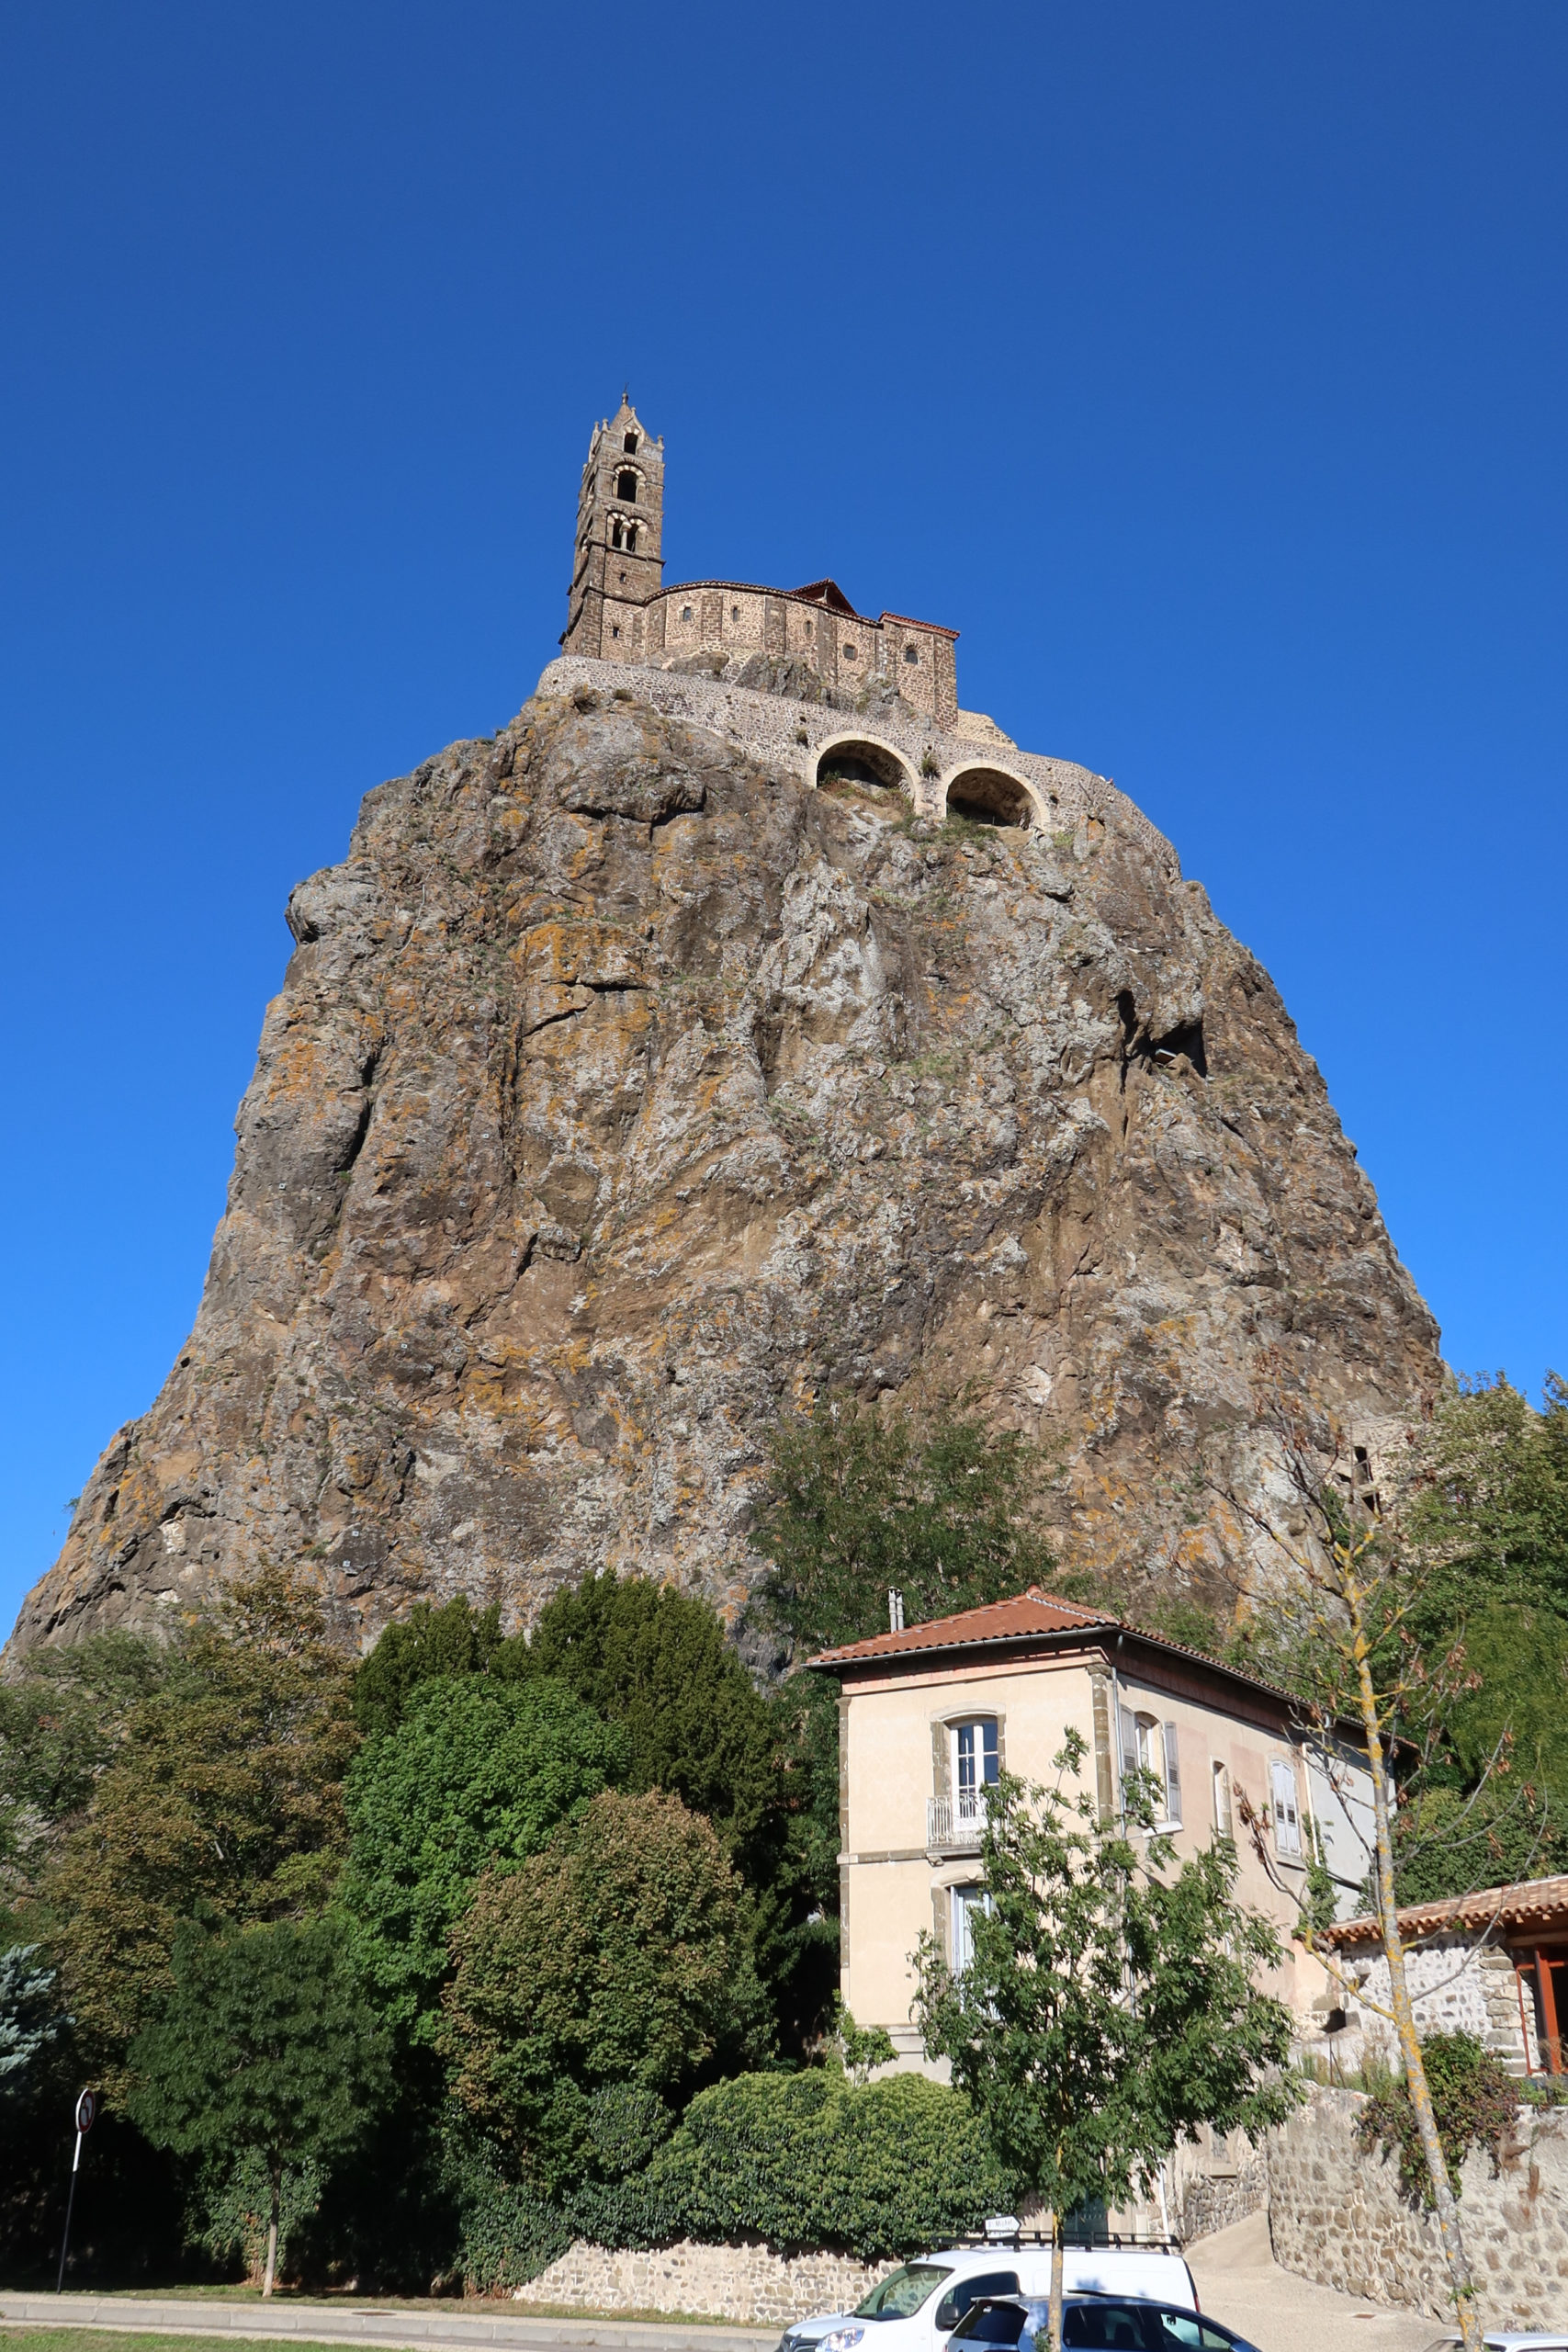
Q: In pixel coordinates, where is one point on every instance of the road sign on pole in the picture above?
(86, 2110)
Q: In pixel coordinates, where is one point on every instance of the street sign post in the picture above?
(86, 2108)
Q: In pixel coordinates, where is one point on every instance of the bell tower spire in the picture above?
(618, 561)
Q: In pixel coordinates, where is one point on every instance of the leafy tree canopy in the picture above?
(31, 2022)
(859, 1502)
(477, 1774)
(656, 1661)
(762, 1766)
(62, 1718)
(1109, 2007)
(427, 1646)
(616, 1963)
(1487, 1494)
(265, 2045)
(224, 1792)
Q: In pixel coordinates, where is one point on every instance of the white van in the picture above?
(915, 2309)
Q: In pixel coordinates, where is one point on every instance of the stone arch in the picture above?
(989, 795)
(861, 759)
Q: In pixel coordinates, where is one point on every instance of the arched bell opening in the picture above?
(857, 761)
(989, 797)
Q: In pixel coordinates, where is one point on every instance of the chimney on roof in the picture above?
(895, 1611)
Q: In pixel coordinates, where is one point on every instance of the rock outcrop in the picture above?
(622, 1091)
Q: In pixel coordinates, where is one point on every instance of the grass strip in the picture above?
(31, 2337)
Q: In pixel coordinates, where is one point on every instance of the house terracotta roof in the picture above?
(1530, 1902)
(1032, 1616)
(1001, 1621)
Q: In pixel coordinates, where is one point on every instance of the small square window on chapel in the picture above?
(911, 653)
(686, 611)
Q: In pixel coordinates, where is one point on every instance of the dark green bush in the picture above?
(808, 2160)
(1474, 2098)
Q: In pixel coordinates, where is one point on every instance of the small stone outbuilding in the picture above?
(1493, 1965)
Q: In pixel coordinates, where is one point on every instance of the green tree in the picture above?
(858, 1503)
(429, 1644)
(225, 1791)
(597, 1986)
(31, 2024)
(265, 2046)
(63, 1717)
(762, 1765)
(656, 1661)
(477, 1775)
(1484, 1496)
(1109, 2009)
(1480, 1503)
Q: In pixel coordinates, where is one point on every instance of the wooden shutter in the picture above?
(942, 1774)
(1172, 1779)
(1129, 1732)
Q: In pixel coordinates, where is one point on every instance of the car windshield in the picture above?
(903, 2291)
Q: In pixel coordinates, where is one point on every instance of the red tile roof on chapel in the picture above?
(1001, 1621)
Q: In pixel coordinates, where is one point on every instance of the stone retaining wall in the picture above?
(748, 2282)
(789, 735)
(1337, 2214)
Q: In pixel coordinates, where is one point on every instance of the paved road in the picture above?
(403, 2330)
(1241, 2283)
(1237, 2277)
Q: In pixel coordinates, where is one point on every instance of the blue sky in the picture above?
(1204, 367)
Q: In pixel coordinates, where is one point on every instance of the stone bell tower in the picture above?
(618, 563)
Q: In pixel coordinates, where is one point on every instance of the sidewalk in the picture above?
(400, 2331)
(1240, 2282)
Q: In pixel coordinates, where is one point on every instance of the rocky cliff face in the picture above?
(622, 1093)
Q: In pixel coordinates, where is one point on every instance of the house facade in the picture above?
(930, 1714)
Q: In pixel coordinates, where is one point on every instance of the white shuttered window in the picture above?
(1150, 1746)
(1287, 1819)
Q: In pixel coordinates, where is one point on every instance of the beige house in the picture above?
(930, 1714)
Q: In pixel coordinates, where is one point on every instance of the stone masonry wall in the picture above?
(1217, 2179)
(747, 2282)
(1337, 2214)
(1455, 1989)
(791, 736)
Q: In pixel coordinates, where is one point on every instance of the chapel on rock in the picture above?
(620, 610)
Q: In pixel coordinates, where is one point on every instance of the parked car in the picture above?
(1497, 2341)
(1094, 2324)
(917, 2307)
